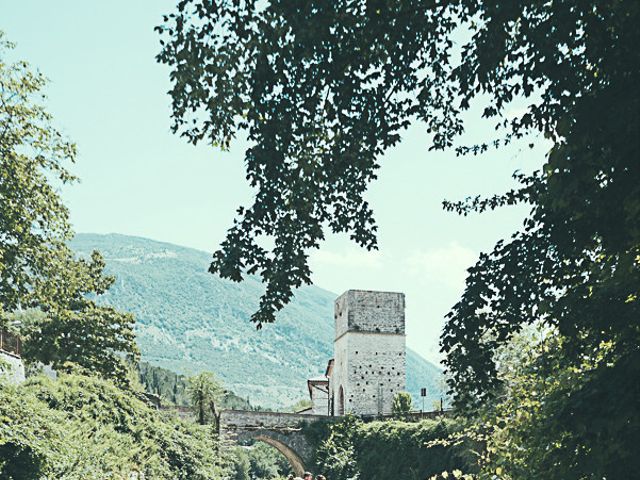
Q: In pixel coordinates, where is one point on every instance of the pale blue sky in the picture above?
(108, 95)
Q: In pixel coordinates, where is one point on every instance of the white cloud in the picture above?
(445, 265)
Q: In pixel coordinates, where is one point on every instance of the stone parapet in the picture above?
(370, 311)
(245, 419)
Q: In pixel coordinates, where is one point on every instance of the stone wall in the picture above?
(246, 419)
(369, 350)
(371, 370)
(280, 430)
(339, 376)
(320, 399)
(369, 311)
(15, 367)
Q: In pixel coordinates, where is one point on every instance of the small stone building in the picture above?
(369, 364)
(319, 393)
(11, 366)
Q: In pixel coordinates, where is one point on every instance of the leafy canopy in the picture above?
(548, 421)
(71, 327)
(323, 89)
(37, 268)
(351, 449)
(82, 427)
(33, 220)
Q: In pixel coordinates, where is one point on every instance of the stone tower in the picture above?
(369, 365)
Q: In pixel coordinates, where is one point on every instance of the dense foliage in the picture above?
(70, 326)
(169, 386)
(33, 154)
(205, 392)
(536, 427)
(81, 427)
(574, 269)
(322, 89)
(402, 404)
(385, 449)
(37, 268)
(89, 423)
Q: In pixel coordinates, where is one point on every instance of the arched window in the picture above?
(341, 401)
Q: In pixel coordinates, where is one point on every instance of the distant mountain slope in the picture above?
(189, 320)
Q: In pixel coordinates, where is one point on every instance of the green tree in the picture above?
(205, 392)
(402, 404)
(524, 433)
(73, 328)
(37, 268)
(241, 464)
(351, 449)
(266, 462)
(83, 427)
(34, 157)
(322, 90)
(335, 453)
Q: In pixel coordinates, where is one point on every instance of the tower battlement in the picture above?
(369, 311)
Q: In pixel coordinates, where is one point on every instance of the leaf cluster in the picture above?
(573, 269)
(536, 427)
(205, 393)
(351, 449)
(81, 427)
(323, 90)
(34, 223)
(38, 270)
(69, 326)
(402, 404)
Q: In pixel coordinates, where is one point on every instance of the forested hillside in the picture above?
(189, 320)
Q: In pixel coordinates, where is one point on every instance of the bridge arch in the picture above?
(284, 431)
(296, 462)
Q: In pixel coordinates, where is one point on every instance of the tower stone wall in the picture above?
(369, 352)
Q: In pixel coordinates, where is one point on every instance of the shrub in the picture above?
(380, 450)
(80, 427)
(402, 404)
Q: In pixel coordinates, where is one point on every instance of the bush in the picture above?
(80, 427)
(381, 450)
(402, 405)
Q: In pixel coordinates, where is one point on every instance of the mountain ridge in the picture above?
(189, 321)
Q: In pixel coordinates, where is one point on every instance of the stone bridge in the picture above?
(280, 430)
